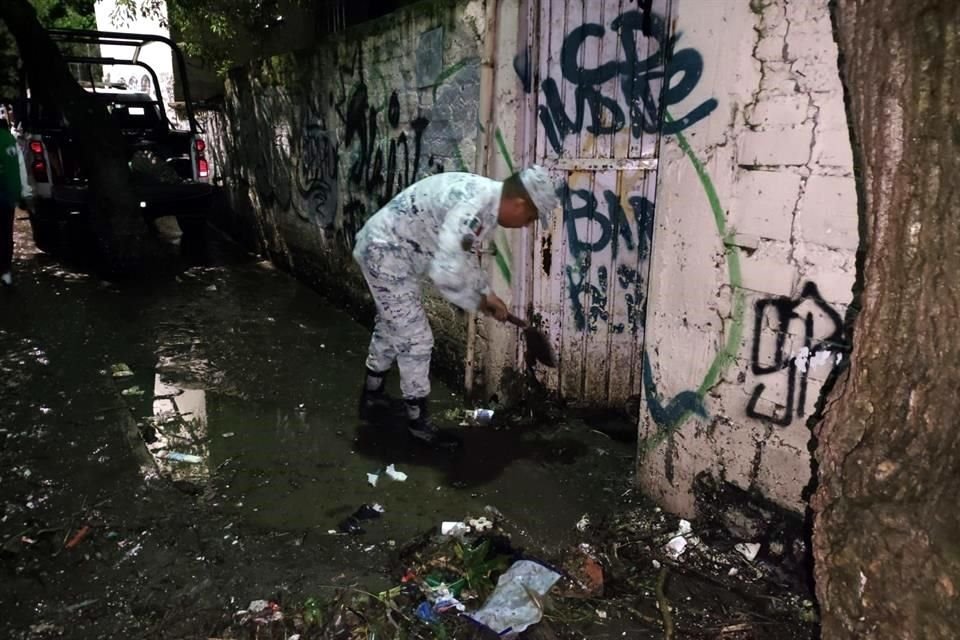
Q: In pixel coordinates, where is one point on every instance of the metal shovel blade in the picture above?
(538, 345)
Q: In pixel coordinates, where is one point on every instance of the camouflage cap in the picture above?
(542, 192)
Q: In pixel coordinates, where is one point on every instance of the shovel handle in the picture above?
(514, 320)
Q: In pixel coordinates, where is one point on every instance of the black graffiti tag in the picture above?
(367, 171)
(787, 311)
(610, 230)
(317, 176)
(639, 80)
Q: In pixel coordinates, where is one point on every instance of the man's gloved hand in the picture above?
(494, 306)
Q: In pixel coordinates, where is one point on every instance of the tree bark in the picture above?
(886, 537)
(121, 232)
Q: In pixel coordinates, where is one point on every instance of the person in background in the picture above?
(435, 228)
(14, 189)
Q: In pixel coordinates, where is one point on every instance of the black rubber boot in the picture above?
(423, 430)
(374, 402)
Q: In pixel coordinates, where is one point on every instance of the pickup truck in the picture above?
(169, 166)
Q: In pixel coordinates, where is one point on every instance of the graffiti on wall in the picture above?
(383, 157)
(823, 344)
(386, 144)
(647, 85)
(317, 174)
(615, 230)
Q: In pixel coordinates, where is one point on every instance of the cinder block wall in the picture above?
(311, 144)
(753, 254)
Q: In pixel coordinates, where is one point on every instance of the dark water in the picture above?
(257, 376)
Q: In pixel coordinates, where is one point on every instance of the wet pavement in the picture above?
(251, 380)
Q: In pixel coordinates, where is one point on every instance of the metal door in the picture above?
(600, 71)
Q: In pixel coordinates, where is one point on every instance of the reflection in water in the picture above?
(179, 431)
(253, 409)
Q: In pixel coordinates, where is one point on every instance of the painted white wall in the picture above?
(779, 237)
(157, 55)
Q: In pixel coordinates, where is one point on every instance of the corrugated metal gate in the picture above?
(599, 68)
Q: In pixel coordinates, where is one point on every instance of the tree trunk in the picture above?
(886, 535)
(117, 223)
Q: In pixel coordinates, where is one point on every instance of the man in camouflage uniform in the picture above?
(434, 229)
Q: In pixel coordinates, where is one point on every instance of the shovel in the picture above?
(538, 345)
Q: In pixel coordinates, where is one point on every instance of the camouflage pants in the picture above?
(402, 332)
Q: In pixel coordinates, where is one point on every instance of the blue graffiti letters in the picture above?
(673, 74)
(610, 231)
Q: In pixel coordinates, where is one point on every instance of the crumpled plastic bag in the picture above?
(517, 602)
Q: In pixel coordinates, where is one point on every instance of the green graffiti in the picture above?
(501, 242)
(502, 146)
(668, 422)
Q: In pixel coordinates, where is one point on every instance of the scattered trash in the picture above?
(351, 524)
(228, 434)
(601, 614)
(132, 391)
(583, 522)
(426, 613)
(78, 537)
(676, 547)
(430, 613)
(656, 564)
(390, 471)
(261, 612)
(393, 474)
(748, 550)
(478, 418)
(120, 370)
(678, 543)
(454, 529)
(212, 287)
(587, 575)
(480, 524)
(176, 456)
(517, 602)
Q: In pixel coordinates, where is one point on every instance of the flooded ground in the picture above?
(251, 380)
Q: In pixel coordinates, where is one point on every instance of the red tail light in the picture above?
(40, 171)
(37, 147)
(203, 168)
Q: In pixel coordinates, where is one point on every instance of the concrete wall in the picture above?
(753, 254)
(311, 144)
(751, 250)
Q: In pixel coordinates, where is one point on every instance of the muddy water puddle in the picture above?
(251, 378)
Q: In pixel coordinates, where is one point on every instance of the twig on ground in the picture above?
(733, 628)
(664, 604)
